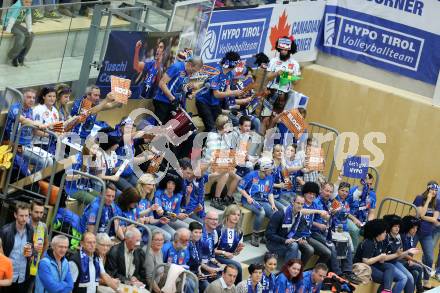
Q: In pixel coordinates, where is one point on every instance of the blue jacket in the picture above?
(49, 280)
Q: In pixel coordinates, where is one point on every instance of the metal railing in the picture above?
(186, 272)
(32, 163)
(316, 129)
(144, 227)
(10, 98)
(82, 177)
(391, 205)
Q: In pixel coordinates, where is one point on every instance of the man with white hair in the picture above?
(87, 268)
(53, 271)
(126, 260)
(177, 252)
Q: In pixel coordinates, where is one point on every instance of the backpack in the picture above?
(334, 283)
(363, 272)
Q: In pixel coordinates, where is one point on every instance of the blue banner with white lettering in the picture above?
(240, 30)
(356, 167)
(118, 60)
(402, 36)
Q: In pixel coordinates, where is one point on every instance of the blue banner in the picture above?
(240, 30)
(155, 53)
(374, 33)
(118, 60)
(356, 167)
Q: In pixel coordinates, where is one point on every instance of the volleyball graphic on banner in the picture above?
(208, 49)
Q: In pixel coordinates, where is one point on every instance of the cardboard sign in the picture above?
(120, 88)
(223, 161)
(294, 122)
(315, 159)
(356, 167)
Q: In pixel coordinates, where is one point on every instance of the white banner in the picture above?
(298, 19)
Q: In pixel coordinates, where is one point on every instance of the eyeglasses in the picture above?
(212, 219)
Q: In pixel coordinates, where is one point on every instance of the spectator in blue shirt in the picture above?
(256, 195)
(26, 153)
(109, 210)
(93, 95)
(312, 280)
(169, 198)
(196, 263)
(309, 245)
(150, 71)
(363, 206)
(177, 252)
(217, 88)
(429, 214)
(173, 87)
(289, 280)
(53, 270)
(194, 189)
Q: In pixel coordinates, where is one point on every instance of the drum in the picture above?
(341, 243)
(185, 123)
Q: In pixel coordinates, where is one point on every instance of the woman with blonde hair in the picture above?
(63, 94)
(146, 187)
(230, 238)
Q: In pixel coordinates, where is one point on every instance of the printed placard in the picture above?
(356, 167)
(315, 159)
(223, 161)
(294, 122)
(120, 88)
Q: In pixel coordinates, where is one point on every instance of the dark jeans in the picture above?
(427, 243)
(163, 111)
(208, 114)
(416, 271)
(15, 287)
(228, 261)
(312, 247)
(283, 251)
(338, 266)
(382, 273)
(22, 42)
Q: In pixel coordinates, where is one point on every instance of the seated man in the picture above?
(363, 206)
(109, 210)
(194, 191)
(256, 195)
(87, 268)
(226, 283)
(308, 245)
(281, 229)
(126, 261)
(177, 252)
(312, 280)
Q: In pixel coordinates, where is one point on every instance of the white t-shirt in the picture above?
(290, 65)
(91, 286)
(44, 115)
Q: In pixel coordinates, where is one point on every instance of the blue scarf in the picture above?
(207, 244)
(223, 243)
(85, 276)
(194, 251)
(288, 221)
(250, 289)
(268, 283)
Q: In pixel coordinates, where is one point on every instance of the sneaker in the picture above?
(352, 278)
(37, 15)
(66, 11)
(228, 200)
(15, 62)
(53, 15)
(255, 240)
(217, 204)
